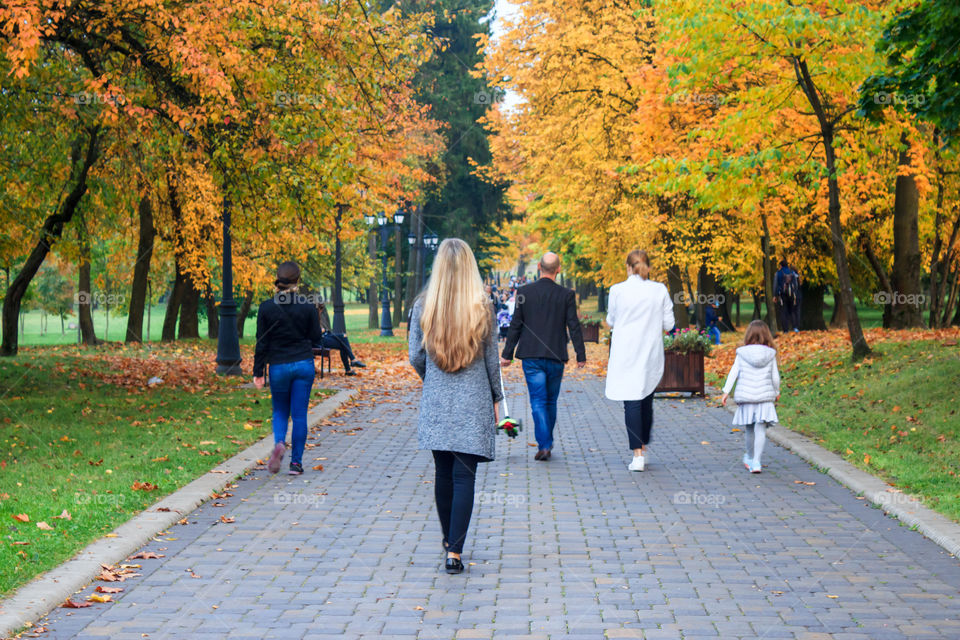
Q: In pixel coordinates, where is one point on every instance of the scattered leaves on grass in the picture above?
(64, 515)
(43, 526)
(21, 517)
(144, 486)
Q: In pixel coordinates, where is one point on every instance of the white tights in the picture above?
(756, 436)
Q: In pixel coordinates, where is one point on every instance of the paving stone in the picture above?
(577, 547)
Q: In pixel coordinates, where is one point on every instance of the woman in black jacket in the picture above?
(287, 329)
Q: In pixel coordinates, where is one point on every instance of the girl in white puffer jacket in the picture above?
(758, 386)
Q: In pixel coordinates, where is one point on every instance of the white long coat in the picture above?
(639, 311)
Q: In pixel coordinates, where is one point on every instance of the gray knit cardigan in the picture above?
(456, 409)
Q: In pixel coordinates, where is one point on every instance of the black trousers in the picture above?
(453, 490)
(338, 341)
(638, 415)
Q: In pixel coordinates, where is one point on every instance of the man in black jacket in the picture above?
(544, 314)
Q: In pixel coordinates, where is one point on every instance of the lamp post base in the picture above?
(386, 332)
(229, 369)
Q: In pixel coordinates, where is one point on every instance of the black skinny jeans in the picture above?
(453, 490)
(638, 415)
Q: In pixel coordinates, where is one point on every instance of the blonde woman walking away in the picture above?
(639, 311)
(453, 347)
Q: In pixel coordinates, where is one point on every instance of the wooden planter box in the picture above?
(682, 372)
(590, 333)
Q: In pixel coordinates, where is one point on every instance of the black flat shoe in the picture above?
(357, 363)
(454, 566)
(350, 373)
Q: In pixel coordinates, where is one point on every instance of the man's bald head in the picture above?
(549, 264)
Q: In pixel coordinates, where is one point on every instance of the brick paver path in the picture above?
(578, 547)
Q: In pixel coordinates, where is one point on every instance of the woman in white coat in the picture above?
(638, 311)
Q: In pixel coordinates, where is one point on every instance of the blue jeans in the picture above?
(290, 385)
(543, 384)
(714, 332)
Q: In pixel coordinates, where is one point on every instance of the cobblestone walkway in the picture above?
(577, 547)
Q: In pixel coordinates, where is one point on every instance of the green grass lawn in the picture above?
(355, 314)
(895, 415)
(72, 442)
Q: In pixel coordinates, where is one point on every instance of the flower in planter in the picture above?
(688, 341)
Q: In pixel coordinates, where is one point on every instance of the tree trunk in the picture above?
(602, 299)
(886, 289)
(845, 284)
(189, 305)
(940, 270)
(245, 310)
(905, 307)
(811, 307)
(675, 285)
(372, 321)
(141, 271)
(213, 315)
(84, 299)
(838, 319)
(768, 276)
(169, 331)
(757, 302)
(50, 233)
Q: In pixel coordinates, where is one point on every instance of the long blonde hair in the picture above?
(639, 263)
(456, 319)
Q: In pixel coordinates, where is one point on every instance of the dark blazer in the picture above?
(545, 312)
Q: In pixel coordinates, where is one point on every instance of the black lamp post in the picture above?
(429, 245)
(339, 322)
(386, 324)
(228, 343)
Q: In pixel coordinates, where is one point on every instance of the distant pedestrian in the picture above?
(757, 379)
(712, 319)
(639, 310)
(287, 329)
(544, 314)
(786, 294)
(453, 347)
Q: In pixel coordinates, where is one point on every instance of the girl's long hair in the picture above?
(759, 333)
(456, 318)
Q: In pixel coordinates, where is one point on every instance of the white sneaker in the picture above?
(755, 467)
(746, 461)
(637, 464)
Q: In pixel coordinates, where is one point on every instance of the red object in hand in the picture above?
(510, 426)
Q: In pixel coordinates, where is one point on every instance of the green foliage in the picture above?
(464, 206)
(922, 48)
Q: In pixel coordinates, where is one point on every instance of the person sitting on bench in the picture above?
(338, 341)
